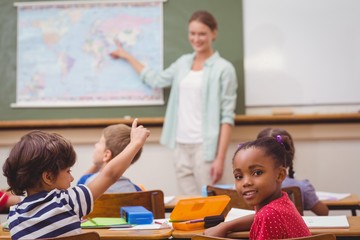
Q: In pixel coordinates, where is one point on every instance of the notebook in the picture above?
(326, 221)
(105, 222)
(331, 196)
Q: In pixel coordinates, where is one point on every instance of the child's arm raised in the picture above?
(92, 169)
(117, 166)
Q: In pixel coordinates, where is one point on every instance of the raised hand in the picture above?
(138, 134)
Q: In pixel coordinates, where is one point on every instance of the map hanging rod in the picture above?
(24, 4)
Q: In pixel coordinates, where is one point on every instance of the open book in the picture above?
(236, 213)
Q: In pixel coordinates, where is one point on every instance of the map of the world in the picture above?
(63, 53)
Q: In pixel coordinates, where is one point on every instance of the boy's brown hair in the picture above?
(117, 137)
(37, 152)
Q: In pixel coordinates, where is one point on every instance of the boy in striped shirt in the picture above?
(39, 166)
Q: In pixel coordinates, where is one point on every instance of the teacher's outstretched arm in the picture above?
(121, 53)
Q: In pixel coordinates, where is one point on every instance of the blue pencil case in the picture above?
(136, 215)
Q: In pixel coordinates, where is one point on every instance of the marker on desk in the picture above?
(195, 220)
(121, 226)
(178, 220)
(209, 220)
(92, 221)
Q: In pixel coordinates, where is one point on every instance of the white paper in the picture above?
(331, 196)
(168, 199)
(157, 224)
(326, 221)
(237, 212)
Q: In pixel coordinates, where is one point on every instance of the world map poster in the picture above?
(63, 53)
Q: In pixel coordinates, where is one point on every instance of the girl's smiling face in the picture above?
(257, 179)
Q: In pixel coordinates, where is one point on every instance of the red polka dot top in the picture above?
(278, 220)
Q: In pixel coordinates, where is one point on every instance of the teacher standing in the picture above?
(201, 106)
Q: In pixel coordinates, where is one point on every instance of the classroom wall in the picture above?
(176, 15)
(327, 154)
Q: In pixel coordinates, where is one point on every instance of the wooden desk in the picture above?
(122, 234)
(352, 231)
(351, 203)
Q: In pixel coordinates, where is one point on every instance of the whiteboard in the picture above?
(301, 53)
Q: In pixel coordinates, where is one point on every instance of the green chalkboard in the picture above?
(176, 14)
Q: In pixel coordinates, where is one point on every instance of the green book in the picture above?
(105, 222)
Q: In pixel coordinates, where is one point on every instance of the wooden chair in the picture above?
(296, 197)
(82, 236)
(4, 210)
(238, 202)
(203, 237)
(323, 236)
(109, 204)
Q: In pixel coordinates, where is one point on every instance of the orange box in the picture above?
(196, 209)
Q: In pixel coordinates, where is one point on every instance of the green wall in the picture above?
(176, 14)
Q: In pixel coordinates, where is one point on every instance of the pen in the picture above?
(195, 220)
(92, 221)
(121, 226)
(177, 220)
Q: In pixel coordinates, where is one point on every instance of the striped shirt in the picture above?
(50, 214)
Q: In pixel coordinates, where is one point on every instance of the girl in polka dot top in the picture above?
(259, 167)
(308, 192)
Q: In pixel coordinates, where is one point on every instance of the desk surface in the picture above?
(352, 201)
(352, 231)
(122, 234)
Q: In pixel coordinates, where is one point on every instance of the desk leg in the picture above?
(353, 212)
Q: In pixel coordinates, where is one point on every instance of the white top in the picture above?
(189, 127)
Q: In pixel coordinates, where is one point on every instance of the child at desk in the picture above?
(113, 141)
(259, 169)
(310, 199)
(40, 166)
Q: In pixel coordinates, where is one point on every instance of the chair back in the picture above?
(323, 236)
(203, 237)
(235, 202)
(296, 197)
(81, 236)
(109, 204)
